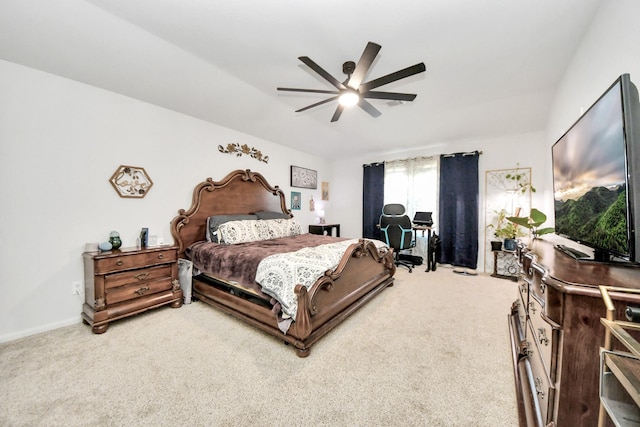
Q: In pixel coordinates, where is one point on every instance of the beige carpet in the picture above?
(433, 350)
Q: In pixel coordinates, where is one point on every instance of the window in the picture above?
(412, 183)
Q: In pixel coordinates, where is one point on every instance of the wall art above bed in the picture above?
(239, 150)
(304, 178)
(131, 181)
(296, 200)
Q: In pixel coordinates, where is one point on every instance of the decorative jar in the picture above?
(114, 239)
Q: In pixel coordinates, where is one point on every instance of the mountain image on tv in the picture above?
(597, 218)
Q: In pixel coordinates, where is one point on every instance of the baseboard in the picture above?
(37, 330)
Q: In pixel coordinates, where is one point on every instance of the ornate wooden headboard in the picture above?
(240, 192)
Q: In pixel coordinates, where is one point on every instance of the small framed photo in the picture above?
(304, 178)
(296, 201)
(325, 191)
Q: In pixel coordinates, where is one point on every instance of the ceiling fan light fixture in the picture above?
(354, 90)
(349, 99)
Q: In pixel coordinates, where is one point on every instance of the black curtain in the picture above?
(372, 199)
(458, 224)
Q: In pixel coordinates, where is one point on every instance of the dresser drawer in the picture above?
(521, 311)
(126, 261)
(139, 276)
(136, 290)
(537, 287)
(523, 291)
(544, 392)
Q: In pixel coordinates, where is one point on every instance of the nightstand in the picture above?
(505, 265)
(128, 281)
(325, 229)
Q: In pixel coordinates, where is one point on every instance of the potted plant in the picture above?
(505, 231)
(533, 222)
(514, 183)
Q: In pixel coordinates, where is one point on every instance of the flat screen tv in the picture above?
(595, 178)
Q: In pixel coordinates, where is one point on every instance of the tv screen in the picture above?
(593, 200)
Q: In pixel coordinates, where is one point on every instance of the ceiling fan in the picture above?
(353, 91)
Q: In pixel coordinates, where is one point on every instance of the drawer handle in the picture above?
(532, 307)
(119, 263)
(526, 349)
(539, 390)
(160, 256)
(141, 276)
(542, 336)
(142, 290)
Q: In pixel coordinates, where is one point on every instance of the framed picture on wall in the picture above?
(325, 191)
(296, 201)
(304, 178)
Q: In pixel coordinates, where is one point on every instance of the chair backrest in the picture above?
(396, 227)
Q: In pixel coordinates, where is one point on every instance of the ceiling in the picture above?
(492, 65)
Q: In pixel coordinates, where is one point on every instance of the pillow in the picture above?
(275, 228)
(272, 215)
(213, 222)
(233, 232)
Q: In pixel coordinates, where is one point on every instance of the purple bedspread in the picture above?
(238, 263)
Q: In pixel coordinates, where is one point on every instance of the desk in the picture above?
(422, 228)
(421, 247)
(324, 229)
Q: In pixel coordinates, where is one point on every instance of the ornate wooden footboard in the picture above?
(363, 272)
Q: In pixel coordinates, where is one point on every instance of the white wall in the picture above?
(611, 47)
(60, 142)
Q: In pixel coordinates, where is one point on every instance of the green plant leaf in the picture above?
(522, 221)
(537, 216)
(547, 230)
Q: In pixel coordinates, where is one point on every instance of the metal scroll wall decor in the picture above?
(131, 181)
(507, 190)
(239, 150)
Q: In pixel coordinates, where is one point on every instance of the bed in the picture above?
(363, 271)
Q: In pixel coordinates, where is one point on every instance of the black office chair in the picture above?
(397, 232)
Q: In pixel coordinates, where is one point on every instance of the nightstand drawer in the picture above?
(137, 276)
(126, 261)
(136, 290)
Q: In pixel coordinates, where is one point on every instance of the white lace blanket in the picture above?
(279, 274)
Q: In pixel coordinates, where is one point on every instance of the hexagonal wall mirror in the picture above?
(131, 181)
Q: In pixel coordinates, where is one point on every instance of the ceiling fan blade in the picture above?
(406, 72)
(292, 89)
(318, 69)
(333, 98)
(367, 58)
(396, 96)
(366, 106)
(338, 112)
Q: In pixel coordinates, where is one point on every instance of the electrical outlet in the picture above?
(76, 288)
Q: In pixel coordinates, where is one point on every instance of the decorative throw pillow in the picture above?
(272, 215)
(213, 222)
(275, 228)
(233, 232)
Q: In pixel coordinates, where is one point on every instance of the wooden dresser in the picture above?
(128, 281)
(556, 334)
